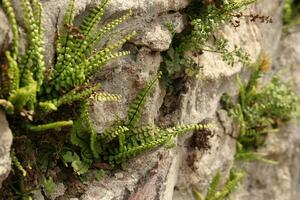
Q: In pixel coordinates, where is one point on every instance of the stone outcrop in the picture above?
(5, 144)
(170, 174)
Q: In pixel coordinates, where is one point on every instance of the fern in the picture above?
(213, 186)
(291, 15)
(54, 125)
(17, 163)
(259, 109)
(28, 90)
(206, 21)
(213, 193)
(233, 180)
(134, 112)
(121, 142)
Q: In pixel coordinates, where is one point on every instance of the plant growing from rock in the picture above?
(124, 140)
(205, 18)
(260, 109)
(291, 15)
(214, 193)
(32, 96)
(31, 93)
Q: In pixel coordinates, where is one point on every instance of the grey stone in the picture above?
(5, 144)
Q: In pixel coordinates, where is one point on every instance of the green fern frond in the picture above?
(13, 23)
(234, 179)
(134, 112)
(109, 134)
(129, 152)
(92, 19)
(197, 194)
(104, 96)
(53, 125)
(91, 42)
(25, 96)
(33, 60)
(64, 40)
(17, 163)
(13, 73)
(180, 129)
(76, 94)
(37, 13)
(97, 61)
(79, 137)
(213, 186)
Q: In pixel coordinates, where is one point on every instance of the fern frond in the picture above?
(180, 129)
(247, 156)
(91, 42)
(109, 134)
(213, 186)
(13, 73)
(92, 19)
(76, 94)
(197, 194)
(65, 39)
(13, 23)
(129, 151)
(97, 61)
(17, 163)
(33, 60)
(234, 179)
(72, 77)
(104, 96)
(134, 112)
(37, 13)
(53, 125)
(25, 96)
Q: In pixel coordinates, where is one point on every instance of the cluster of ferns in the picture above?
(31, 91)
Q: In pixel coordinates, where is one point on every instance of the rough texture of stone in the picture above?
(280, 181)
(169, 174)
(5, 144)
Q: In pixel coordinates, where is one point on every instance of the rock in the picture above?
(5, 33)
(169, 174)
(5, 144)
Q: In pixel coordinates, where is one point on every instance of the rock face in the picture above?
(281, 180)
(169, 174)
(5, 144)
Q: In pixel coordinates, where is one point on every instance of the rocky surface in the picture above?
(169, 174)
(5, 144)
(280, 181)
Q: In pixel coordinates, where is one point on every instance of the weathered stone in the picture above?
(5, 144)
(155, 174)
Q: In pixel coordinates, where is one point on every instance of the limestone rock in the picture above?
(5, 144)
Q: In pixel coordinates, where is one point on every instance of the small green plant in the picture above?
(207, 19)
(124, 140)
(260, 109)
(291, 15)
(204, 21)
(231, 57)
(214, 193)
(48, 185)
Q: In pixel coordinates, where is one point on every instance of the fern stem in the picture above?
(54, 125)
